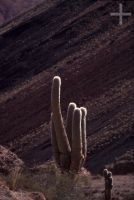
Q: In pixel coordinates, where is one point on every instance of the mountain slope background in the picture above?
(11, 8)
(80, 42)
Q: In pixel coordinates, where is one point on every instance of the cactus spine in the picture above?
(68, 143)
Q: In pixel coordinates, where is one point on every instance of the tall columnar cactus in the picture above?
(54, 143)
(68, 142)
(61, 136)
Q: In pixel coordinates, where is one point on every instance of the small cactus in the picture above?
(108, 183)
(105, 173)
(68, 142)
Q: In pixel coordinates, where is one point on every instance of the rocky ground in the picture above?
(10, 169)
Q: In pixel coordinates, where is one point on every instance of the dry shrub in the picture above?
(12, 178)
(59, 186)
(70, 187)
(54, 184)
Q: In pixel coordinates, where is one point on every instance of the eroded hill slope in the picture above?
(11, 8)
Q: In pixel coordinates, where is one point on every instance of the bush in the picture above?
(54, 184)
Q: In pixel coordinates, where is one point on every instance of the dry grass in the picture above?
(58, 186)
(49, 180)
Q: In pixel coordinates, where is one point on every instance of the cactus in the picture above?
(68, 142)
(54, 143)
(61, 136)
(69, 121)
(76, 153)
(108, 183)
(83, 127)
(105, 173)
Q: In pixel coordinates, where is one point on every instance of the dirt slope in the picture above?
(94, 57)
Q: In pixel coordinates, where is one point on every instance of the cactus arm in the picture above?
(84, 140)
(62, 140)
(69, 120)
(76, 153)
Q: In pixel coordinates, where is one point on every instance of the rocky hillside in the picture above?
(82, 43)
(11, 8)
(10, 168)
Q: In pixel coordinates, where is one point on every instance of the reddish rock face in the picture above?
(10, 8)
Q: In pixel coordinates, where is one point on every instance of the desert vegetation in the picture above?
(48, 180)
(64, 177)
